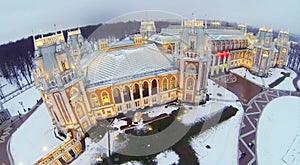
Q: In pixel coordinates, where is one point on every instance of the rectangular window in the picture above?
(128, 106)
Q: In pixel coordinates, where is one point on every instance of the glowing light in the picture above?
(149, 128)
(21, 163)
(178, 118)
(223, 54)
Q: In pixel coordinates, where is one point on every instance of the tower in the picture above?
(263, 52)
(147, 29)
(58, 78)
(193, 61)
(282, 45)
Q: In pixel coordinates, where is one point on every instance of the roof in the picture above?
(225, 34)
(125, 64)
(163, 38)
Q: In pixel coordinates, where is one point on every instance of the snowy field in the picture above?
(28, 97)
(34, 139)
(278, 132)
(287, 84)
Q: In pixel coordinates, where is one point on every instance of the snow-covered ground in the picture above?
(28, 97)
(278, 132)
(221, 98)
(167, 157)
(275, 73)
(7, 87)
(34, 138)
(223, 138)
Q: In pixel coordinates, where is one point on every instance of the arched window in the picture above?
(117, 96)
(190, 84)
(136, 91)
(74, 92)
(94, 100)
(145, 89)
(105, 98)
(165, 84)
(154, 87)
(191, 69)
(126, 94)
(173, 82)
(79, 111)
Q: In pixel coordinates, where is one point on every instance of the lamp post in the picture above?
(21, 103)
(108, 137)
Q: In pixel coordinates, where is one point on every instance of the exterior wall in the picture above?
(136, 90)
(237, 49)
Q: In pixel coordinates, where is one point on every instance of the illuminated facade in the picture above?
(143, 70)
(80, 89)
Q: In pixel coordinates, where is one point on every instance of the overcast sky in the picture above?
(19, 18)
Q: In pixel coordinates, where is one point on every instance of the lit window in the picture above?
(165, 83)
(95, 102)
(173, 83)
(79, 111)
(190, 84)
(105, 99)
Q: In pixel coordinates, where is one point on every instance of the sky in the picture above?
(20, 18)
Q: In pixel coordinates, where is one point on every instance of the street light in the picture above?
(21, 103)
(108, 137)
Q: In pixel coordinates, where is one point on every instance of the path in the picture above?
(250, 120)
(253, 98)
(6, 131)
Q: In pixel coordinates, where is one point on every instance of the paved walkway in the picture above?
(250, 120)
(7, 129)
(253, 98)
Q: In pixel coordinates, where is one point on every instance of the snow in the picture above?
(28, 97)
(7, 87)
(223, 138)
(217, 104)
(34, 138)
(167, 157)
(132, 163)
(275, 73)
(99, 149)
(227, 131)
(278, 132)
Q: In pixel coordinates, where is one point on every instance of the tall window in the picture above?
(173, 83)
(190, 84)
(165, 85)
(105, 98)
(192, 45)
(136, 91)
(94, 100)
(79, 111)
(126, 94)
(145, 89)
(154, 87)
(117, 96)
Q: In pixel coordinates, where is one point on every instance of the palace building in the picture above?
(143, 70)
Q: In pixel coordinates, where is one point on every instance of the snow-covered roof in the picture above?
(225, 34)
(128, 63)
(163, 38)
